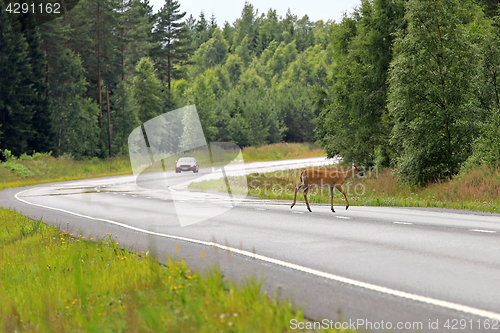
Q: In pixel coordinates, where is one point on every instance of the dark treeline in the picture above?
(80, 84)
(405, 83)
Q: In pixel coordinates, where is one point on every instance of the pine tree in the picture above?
(54, 35)
(172, 47)
(147, 91)
(245, 28)
(75, 116)
(16, 93)
(42, 139)
(124, 115)
(95, 35)
(136, 23)
(202, 30)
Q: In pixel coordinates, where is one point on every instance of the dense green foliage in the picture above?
(352, 121)
(406, 83)
(414, 86)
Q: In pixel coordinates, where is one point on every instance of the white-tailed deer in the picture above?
(311, 177)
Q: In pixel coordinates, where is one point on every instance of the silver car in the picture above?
(186, 164)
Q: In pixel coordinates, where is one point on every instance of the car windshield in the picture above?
(186, 160)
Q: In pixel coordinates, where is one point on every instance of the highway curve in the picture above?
(368, 267)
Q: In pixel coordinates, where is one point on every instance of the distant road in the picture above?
(376, 265)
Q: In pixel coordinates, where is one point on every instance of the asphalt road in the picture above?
(377, 267)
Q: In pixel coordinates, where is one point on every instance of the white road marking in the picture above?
(259, 209)
(333, 277)
(343, 217)
(403, 222)
(486, 231)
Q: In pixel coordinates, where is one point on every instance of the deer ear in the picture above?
(355, 165)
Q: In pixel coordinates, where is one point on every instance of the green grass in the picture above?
(479, 190)
(49, 169)
(281, 151)
(52, 281)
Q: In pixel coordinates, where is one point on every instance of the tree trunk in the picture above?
(109, 119)
(169, 69)
(99, 98)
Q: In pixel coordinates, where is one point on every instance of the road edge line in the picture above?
(333, 277)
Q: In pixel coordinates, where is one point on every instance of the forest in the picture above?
(407, 84)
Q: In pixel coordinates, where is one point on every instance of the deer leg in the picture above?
(331, 198)
(339, 187)
(294, 197)
(298, 188)
(305, 197)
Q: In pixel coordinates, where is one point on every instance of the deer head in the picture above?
(356, 170)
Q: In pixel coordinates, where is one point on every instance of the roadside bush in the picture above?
(486, 149)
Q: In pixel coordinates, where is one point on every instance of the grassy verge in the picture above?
(42, 168)
(477, 190)
(281, 151)
(52, 281)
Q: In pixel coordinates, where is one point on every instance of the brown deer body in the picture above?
(332, 179)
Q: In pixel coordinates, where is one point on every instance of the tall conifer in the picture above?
(171, 36)
(16, 111)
